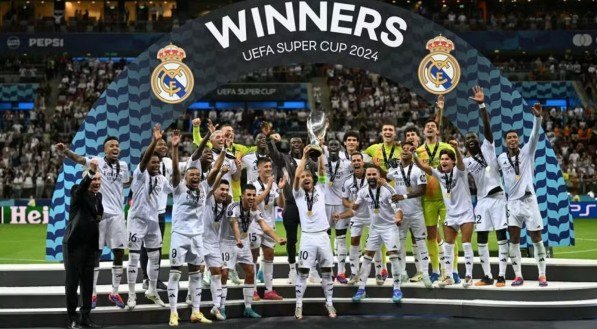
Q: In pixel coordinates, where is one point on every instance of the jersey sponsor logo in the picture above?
(172, 81)
(439, 72)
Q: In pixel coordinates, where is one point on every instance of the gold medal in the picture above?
(244, 235)
(376, 211)
(310, 213)
(517, 177)
(331, 183)
(266, 207)
(448, 195)
(409, 189)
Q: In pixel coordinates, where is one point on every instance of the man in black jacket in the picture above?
(80, 245)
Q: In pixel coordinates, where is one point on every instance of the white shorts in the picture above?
(388, 235)
(232, 255)
(260, 239)
(144, 231)
(490, 213)
(414, 222)
(456, 221)
(212, 254)
(315, 247)
(339, 225)
(186, 249)
(357, 225)
(525, 210)
(112, 232)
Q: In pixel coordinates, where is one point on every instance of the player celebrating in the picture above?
(383, 154)
(112, 228)
(251, 158)
(455, 189)
(236, 235)
(490, 210)
(338, 171)
(187, 229)
(268, 195)
(517, 167)
(385, 218)
(352, 145)
(315, 242)
(143, 226)
(410, 184)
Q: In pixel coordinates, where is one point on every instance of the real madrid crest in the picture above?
(439, 71)
(172, 81)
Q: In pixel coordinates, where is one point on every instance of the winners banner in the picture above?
(226, 44)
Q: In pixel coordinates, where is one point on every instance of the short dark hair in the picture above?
(413, 129)
(510, 131)
(449, 153)
(224, 181)
(359, 154)
(431, 120)
(248, 187)
(407, 143)
(110, 138)
(263, 160)
(351, 134)
(371, 165)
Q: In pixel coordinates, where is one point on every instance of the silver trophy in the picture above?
(316, 127)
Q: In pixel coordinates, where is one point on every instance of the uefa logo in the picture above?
(439, 71)
(172, 81)
(13, 42)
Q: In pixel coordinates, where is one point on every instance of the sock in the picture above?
(354, 255)
(442, 255)
(216, 290)
(341, 252)
(195, 289)
(173, 289)
(401, 258)
(448, 258)
(433, 250)
(365, 270)
(224, 295)
(116, 278)
(248, 296)
(516, 258)
(469, 259)
(384, 257)
(327, 284)
(417, 261)
(540, 256)
(132, 271)
(423, 256)
(378, 263)
(395, 260)
(153, 269)
(95, 275)
(484, 257)
(268, 273)
(503, 257)
(292, 267)
(456, 256)
(300, 288)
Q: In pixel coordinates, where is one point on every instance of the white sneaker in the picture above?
(426, 280)
(298, 312)
(233, 276)
(314, 277)
(131, 302)
(292, 276)
(468, 281)
(154, 297)
(189, 300)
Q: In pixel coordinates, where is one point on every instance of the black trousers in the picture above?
(162, 222)
(79, 263)
(291, 220)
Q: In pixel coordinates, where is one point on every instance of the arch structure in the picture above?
(223, 45)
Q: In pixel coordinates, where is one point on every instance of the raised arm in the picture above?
(210, 129)
(211, 177)
(84, 185)
(440, 112)
(274, 153)
(426, 168)
(459, 162)
(197, 139)
(479, 98)
(281, 200)
(300, 168)
(218, 179)
(157, 135)
(175, 140)
(70, 154)
(534, 139)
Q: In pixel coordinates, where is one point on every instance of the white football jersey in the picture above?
(336, 172)
(345, 156)
(214, 216)
(484, 170)
(459, 199)
(380, 205)
(351, 188)
(316, 220)
(250, 162)
(146, 194)
(270, 202)
(516, 188)
(188, 209)
(244, 218)
(111, 188)
(166, 171)
(415, 178)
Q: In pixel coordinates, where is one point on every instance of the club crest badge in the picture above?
(439, 71)
(172, 81)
